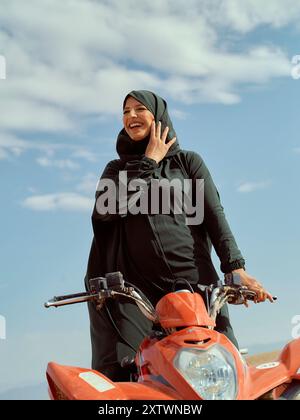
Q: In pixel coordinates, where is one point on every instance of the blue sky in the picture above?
(225, 69)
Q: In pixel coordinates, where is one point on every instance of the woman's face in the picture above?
(137, 119)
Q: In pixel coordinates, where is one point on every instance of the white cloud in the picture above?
(247, 187)
(28, 114)
(179, 114)
(67, 201)
(297, 149)
(85, 154)
(67, 61)
(88, 183)
(246, 15)
(11, 144)
(14, 145)
(57, 163)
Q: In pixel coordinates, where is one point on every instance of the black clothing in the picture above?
(153, 250)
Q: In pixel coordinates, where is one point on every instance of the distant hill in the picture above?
(266, 348)
(260, 358)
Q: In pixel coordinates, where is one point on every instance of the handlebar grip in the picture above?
(74, 295)
(68, 299)
(250, 295)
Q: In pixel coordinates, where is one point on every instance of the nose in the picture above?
(132, 112)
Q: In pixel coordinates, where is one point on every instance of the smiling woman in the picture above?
(131, 244)
(154, 251)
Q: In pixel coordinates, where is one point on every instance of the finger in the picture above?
(158, 130)
(169, 144)
(153, 126)
(165, 134)
(261, 296)
(257, 297)
(152, 131)
(256, 283)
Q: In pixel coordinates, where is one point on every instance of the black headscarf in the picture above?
(129, 149)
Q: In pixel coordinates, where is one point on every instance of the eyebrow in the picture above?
(127, 107)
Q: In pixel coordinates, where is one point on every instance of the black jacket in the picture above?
(154, 250)
(150, 268)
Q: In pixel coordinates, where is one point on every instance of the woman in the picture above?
(154, 250)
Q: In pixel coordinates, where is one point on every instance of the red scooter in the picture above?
(184, 358)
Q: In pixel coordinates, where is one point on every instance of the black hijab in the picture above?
(129, 149)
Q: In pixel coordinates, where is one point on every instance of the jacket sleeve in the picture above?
(214, 218)
(135, 169)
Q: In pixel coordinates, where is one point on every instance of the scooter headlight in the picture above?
(211, 372)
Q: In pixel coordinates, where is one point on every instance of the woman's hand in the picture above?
(252, 284)
(157, 147)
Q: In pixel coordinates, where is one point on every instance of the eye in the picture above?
(140, 108)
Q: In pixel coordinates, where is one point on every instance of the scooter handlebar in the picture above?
(69, 299)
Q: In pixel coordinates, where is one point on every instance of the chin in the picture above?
(138, 137)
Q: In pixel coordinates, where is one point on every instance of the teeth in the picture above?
(135, 125)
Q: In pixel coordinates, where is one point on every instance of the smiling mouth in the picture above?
(134, 126)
